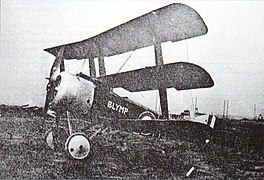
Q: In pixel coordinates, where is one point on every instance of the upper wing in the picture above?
(180, 75)
(174, 22)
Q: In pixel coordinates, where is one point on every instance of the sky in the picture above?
(231, 51)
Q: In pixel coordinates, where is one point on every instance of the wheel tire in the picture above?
(146, 115)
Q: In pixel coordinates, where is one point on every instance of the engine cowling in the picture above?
(73, 93)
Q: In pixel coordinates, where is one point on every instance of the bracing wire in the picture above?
(81, 67)
(187, 51)
(188, 60)
(125, 62)
(119, 70)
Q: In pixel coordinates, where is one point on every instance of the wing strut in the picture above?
(101, 63)
(163, 91)
(92, 67)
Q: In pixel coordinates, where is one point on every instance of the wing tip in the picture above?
(211, 82)
(52, 51)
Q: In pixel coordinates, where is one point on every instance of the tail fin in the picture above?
(205, 119)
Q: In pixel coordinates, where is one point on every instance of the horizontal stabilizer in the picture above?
(180, 75)
(174, 22)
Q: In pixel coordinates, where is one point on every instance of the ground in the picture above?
(235, 150)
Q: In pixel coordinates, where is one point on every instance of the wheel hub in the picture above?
(78, 146)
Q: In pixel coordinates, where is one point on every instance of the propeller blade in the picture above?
(56, 69)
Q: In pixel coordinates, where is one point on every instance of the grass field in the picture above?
(234, 151)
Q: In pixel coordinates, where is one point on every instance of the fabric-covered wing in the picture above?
(180, 75)
(174, 22)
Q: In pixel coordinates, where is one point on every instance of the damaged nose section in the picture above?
(54, 78)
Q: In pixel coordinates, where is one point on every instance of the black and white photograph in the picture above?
(150, 89)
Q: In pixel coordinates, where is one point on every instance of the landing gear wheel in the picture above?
(146, 115)
(78, 146)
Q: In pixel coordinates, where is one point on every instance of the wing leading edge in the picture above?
(174, 22)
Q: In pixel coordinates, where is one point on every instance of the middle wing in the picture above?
(180, 75)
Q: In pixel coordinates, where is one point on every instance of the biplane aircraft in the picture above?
(93, 94)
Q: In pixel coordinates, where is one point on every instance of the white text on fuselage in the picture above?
(117, 107)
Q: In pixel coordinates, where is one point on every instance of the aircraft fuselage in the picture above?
(82, 94)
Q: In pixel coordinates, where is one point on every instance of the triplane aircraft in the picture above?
(93, 96)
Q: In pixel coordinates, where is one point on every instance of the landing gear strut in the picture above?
(77, 145)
